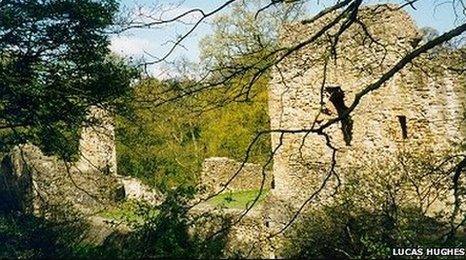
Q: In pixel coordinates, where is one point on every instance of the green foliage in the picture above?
(24, 236)
(165, 234)
(239, 38)
(344, 232)
(244, 38)
(54, 64)
(128, 211)
(385, 203)
(165, 146)
(157, 231)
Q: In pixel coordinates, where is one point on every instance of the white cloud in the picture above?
(130, 46)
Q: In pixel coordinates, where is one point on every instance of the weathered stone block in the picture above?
(217, 171)
(422, 106)
(136, 190)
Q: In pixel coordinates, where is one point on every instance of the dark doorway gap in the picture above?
(337, 97)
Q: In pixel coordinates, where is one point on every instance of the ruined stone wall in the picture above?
(47, 186)
(39, 184)
(136, 190)
(97, 143)
(247, 239)
(216, 171)
(429, 98)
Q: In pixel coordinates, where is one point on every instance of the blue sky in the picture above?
(437, 14)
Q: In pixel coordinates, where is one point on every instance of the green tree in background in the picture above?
(54, 64)
(166, 145)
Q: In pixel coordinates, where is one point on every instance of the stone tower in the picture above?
(421, 105)
(97, 143)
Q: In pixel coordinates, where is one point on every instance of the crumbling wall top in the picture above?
(216, 171)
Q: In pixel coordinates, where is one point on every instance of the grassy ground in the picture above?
(238, 200)
(128, 212)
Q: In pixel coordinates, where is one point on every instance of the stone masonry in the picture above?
(35, 183)
(97, 143)
(416, 116)
(422, 106)
(43, 185)
(216, 171)
(47, 186)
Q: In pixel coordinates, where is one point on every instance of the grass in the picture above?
(128, 211)
(238, 200)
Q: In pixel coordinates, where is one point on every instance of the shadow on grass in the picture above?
(165, 234)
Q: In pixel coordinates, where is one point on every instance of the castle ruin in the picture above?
(413, 122)
(420, 108)
(35, 183)
(43, 185)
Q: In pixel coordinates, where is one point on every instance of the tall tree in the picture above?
(54, 64)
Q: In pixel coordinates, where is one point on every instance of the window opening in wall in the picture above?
(403, 125)
(337, 97)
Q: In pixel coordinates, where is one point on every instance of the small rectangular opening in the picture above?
(404, 127)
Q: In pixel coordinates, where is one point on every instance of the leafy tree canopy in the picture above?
(165, 146)
(54, 64)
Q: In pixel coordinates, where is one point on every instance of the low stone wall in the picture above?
(136, 190)
(217, 171)
(247, 239)
(45, 185)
